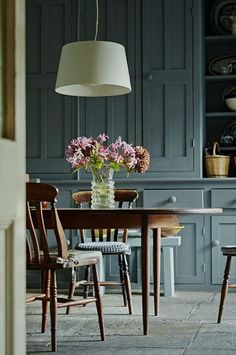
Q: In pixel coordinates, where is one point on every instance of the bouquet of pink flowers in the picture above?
(95, 155)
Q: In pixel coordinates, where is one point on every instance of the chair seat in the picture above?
(77, 256)
(74, 259)
(229, 250)
(106, 247)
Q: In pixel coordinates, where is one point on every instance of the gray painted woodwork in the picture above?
(189, 257)
(50, 117)
(223, 233)
(160, 113)
(162, 101)
(173, 198)
(225, 198)
(168, 86)
(114, 116)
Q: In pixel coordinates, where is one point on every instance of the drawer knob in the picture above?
(149, 77)
(215, 243)
(172, 199)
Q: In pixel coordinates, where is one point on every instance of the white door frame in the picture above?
(12, 178)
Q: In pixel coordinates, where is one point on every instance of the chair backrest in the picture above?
(37, 247)
(122, 197)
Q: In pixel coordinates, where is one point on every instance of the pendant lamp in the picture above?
(93, 68)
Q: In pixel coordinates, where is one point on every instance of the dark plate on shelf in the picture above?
(230, 91)
(223, 65)
(220, 16)
(230, 129)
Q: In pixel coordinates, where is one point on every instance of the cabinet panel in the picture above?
(168, 85)
(223, 233)
(114, 116)
(189, 256)
(173, 198)
(223, 198)
(50, 117)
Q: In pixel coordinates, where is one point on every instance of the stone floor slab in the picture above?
(186, 326)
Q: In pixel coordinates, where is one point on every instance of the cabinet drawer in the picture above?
(225, 198)
(173, 198)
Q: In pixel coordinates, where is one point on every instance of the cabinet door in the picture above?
(189, 256)
(50, 117)
(168, 85)
(111, 115)
(223, 233)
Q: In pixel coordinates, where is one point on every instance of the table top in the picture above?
(139, 210)
(76, 218)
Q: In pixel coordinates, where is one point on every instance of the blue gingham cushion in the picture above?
(105, 247)
(229, 250)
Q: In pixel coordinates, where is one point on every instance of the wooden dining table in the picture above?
(148, 220)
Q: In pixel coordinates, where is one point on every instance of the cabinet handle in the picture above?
(172, 199)
(215, 243)
(149, 77)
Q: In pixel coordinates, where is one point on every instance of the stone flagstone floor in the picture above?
(186, 325)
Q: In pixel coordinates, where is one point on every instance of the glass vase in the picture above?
(103, 194)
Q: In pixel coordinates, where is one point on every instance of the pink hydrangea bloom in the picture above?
(94, 154)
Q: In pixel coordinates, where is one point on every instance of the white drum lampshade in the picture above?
(93, 68)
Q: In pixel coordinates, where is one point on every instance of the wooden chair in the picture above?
(228, 251)
(107, 242)
(39, 257)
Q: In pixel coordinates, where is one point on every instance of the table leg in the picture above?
(145, 255)
(156, 268)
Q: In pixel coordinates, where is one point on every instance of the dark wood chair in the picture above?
(228, 251)
(39, 257)
(109, 242)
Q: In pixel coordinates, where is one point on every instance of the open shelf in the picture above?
(220, 38)
(228, 77)
(217, 116)
(227, 148)
(231, 114)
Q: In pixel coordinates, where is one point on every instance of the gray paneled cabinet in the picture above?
(161, 112)
(169, 85)
(189, 257)
(223, 232)
(50, 118)
(114, 116)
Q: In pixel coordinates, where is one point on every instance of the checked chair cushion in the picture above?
(105, 247)
(229, 250)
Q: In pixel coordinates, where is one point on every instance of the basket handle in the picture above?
(216, 145)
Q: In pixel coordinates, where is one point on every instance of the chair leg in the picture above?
(224, 288)
(121, 268)
(98, 302)
(71, 288)
(53, 310)
(87, 278)
(156, 268)
(46, 290)
(127, 284)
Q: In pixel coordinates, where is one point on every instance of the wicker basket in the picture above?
(217, 166)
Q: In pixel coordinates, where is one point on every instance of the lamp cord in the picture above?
(97, 21)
